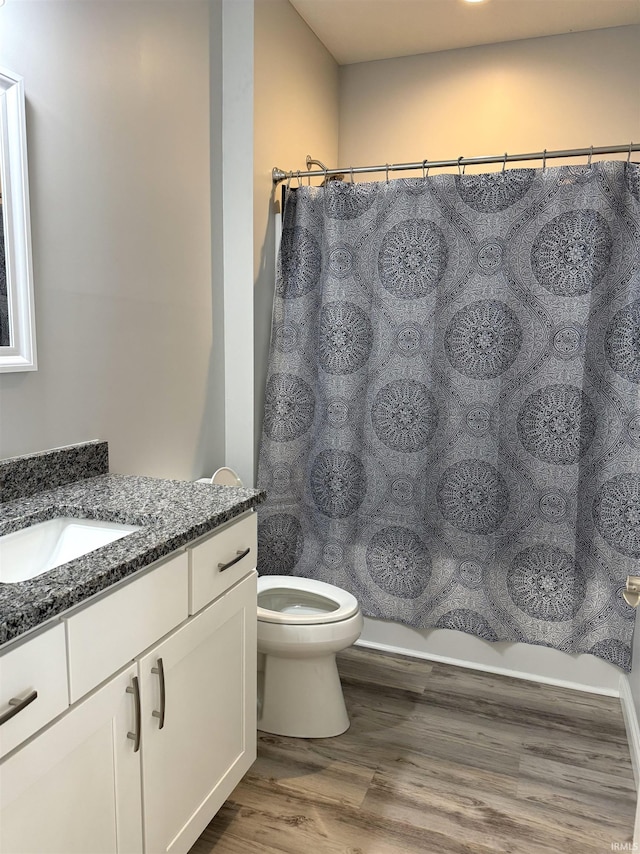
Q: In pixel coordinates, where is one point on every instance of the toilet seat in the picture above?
(317, 603)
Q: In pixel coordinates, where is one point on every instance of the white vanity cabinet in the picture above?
(143, 761)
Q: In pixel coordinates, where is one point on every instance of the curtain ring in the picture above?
(425, 169)
(387, 172)
(544, 159)
(352, 175)
(289, 177)
(504, 162)
(460, 169)
(629, 154)
(299, 181)
(590, 156)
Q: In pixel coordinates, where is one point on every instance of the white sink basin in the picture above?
(31, 551)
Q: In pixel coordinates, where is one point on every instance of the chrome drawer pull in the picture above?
(135, 736)
(17, 705)
(240, 555)
(159, 669)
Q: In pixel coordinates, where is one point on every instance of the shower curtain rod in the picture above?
(280, 175)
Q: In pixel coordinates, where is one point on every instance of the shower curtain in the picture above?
(452, 415)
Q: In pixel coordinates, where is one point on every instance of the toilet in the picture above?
(302, 624)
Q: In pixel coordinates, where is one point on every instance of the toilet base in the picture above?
(302, 697)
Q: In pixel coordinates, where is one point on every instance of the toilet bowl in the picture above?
(302, 624)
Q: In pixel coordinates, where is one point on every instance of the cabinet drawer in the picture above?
(208, 559)
(39, 665)
(112, 631)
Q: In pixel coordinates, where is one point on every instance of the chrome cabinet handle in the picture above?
(17, 705)
(159, 669)
(240, 555)
(135, 736)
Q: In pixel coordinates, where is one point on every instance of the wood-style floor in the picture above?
(439, 760)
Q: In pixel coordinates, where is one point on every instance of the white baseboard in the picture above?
(488, 668)
(632, 726)
(633, 737)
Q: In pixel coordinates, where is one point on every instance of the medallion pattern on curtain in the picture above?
(452, 413)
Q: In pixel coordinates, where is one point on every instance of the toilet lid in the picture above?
(302, 601)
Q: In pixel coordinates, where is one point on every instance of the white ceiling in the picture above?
(364, 30)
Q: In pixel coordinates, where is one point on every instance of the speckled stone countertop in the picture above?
(171, 513)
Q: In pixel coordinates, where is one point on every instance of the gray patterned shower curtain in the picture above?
(452, 414)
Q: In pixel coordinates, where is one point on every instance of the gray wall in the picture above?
(118, 112)
(555, 92)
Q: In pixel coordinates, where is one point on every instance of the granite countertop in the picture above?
(171, 513)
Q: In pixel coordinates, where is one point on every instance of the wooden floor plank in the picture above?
(439, 760)
(307, 773)
(523, 704)
(368, 667)
(293, 825)
(480, 806)
(583, 751)
(389, 723)
(578, 790)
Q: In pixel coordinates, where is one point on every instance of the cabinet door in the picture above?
(75, 788)
(208, 740)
